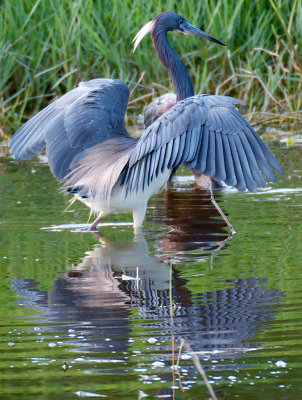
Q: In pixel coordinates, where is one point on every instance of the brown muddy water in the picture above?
(86, 315)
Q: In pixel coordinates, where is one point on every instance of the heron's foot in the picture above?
(99, 218)
(93, 227)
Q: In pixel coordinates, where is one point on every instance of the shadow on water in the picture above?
(97, 295)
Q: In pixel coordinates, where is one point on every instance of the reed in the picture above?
(48, 46)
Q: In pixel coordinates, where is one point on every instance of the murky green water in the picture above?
(103, 315)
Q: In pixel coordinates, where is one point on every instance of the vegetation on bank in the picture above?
(48, 46)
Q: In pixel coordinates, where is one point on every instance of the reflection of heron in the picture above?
(89, 148)
(196, 226)
(95, 297)
(218, 320)
(89, 295)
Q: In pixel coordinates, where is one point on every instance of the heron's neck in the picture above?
(181, 80)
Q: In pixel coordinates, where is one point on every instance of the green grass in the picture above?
(48, 46)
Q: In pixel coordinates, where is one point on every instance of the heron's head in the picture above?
(170, 21)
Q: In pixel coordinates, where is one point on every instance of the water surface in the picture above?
(103, 315)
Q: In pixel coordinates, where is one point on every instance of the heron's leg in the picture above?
(95, 223)
(202, 181)
(138, 218)
(225, 218)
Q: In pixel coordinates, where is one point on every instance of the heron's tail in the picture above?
(99, 168)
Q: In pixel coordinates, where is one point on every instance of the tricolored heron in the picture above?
(90, 149)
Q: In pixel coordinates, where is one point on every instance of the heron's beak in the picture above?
(191, 30)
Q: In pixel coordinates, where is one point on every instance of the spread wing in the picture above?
(210, 136)
(83, 119)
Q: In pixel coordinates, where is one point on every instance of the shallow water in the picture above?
(87, 315)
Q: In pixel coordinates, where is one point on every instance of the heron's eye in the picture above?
(180, 27)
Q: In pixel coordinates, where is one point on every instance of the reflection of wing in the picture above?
(224, 319)
(86, 116)
(96, 296)
(208, 134)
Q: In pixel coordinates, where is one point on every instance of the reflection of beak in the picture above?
(191, 30)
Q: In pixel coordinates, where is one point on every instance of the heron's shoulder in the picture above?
(214, 100)
(202, 102)
(105, 84)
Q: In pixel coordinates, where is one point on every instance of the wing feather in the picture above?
(187, 146)
(182, 140)
(208, 134)
(162, 151)
(133, 178)
(175, 151)
(194, 152)
(245, 167)
(88, 115)
(231, 179)
(202, 156)
(210, 163)
(267, 153)
(260, 156)
(220, 174)
(168, 153)
(141, 173)
(146, 175)
(252, 161)
(155, 159)
(30, 137)
(240, 185)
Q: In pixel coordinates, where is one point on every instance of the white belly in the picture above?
(135, 200)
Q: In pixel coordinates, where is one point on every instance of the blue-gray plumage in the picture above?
(89, 148)
(233, 152)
